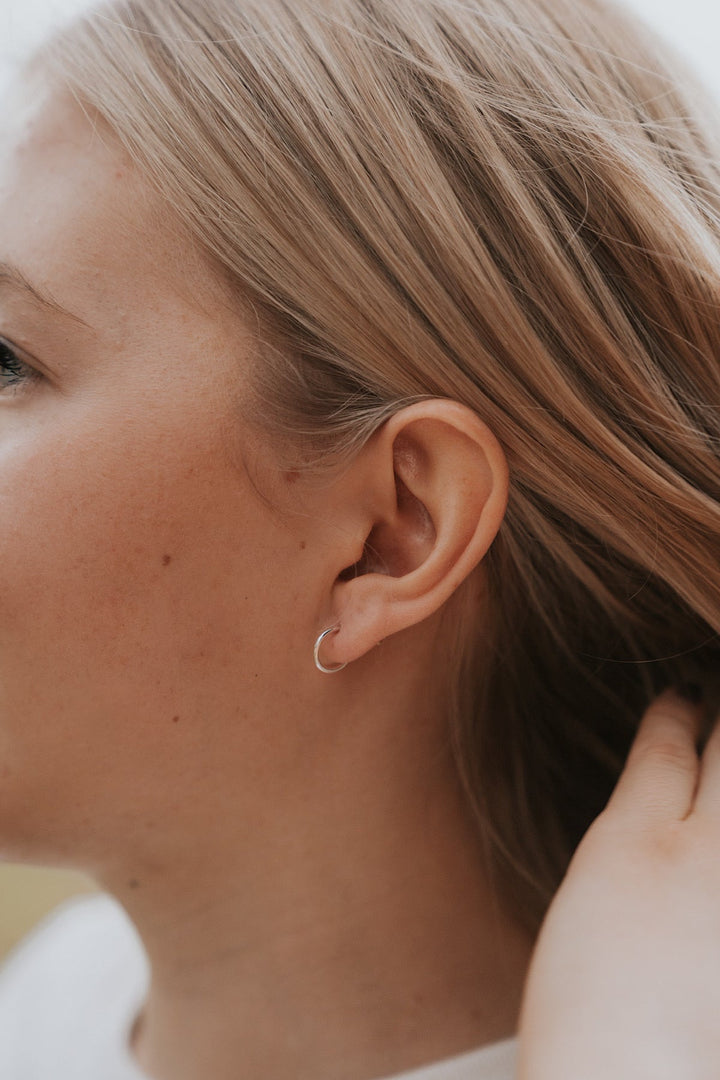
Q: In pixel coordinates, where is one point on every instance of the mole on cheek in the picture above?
(175, 719)
(166, 560)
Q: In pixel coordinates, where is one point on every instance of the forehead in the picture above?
(76, 217)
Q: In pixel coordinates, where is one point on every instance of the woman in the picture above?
(362, 490)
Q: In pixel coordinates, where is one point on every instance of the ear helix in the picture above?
(318, 663)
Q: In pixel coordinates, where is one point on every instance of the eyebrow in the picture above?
(11, 277)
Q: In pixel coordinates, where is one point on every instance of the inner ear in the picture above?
(397, 546)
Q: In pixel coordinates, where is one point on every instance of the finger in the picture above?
(660, 776)
(707, 800)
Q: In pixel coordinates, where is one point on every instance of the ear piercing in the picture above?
(318, 663)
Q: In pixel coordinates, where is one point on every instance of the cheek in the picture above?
(149, 601)
(129, 570)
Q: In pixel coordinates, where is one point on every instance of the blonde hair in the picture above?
(513, 203)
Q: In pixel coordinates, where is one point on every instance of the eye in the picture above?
(14, 372)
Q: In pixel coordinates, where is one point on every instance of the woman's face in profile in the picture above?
(145, 586)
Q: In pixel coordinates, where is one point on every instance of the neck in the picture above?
(354, 935)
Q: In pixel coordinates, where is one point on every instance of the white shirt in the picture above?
(70, 992)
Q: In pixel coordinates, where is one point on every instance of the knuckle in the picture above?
(670, 753)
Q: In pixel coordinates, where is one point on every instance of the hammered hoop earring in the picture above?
(318, 664)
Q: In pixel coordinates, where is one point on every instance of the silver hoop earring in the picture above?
(318, 664)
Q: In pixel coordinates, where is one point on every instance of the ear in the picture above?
(433, 486)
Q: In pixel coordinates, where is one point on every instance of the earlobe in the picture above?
(449, 481)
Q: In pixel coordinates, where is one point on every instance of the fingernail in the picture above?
(691, 691)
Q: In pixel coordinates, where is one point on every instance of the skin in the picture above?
(292, 846)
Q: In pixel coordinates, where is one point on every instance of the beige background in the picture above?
(27, 893)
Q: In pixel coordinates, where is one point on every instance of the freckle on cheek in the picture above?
(303, 545)
(134, 884)
(175, 719)
(166, 560)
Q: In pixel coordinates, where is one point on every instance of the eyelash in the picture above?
(13, 371)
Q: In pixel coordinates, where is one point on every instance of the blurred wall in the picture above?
(27, 893)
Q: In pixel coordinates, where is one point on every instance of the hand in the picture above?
(624, 983)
